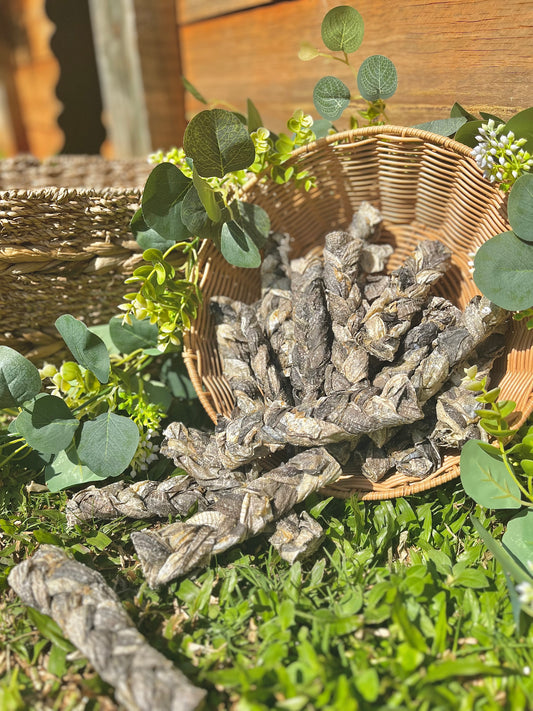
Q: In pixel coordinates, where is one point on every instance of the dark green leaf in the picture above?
(465, 667)
(158, 394)
(237, 247)
(108, 443)
(161, 201)
(218, 143)
(443, 127)
(487, 117)
(520, 208)
(193, 91)
(254, 221)
(131, 337)
(485, 477)
(86, 347)
(343, 29)
(522, 126)
(19, 378)
(175, 377)
(147, 237)
(458, 110)
(504, 271)
(331, 96)
(49, 629)
(194, 215)
(47, 424)
(254, 117)
(505, 559)
(468, 132)
(377, 78)
(66, 470)
(211, 199)
(518, 538)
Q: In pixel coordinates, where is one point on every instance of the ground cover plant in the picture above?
(404, 606)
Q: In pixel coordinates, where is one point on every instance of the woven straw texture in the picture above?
(65, 244)
(427, 187)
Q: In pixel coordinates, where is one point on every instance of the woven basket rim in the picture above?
(54, 191)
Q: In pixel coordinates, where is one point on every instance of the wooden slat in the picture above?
(195, 10)
(476, 52)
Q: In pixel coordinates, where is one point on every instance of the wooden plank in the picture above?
(137, 48)
(195, 10)
(473, 52)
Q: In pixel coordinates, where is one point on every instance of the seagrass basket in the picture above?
(427, 187)
(65, 244)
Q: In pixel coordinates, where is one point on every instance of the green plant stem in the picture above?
(20, 449)
(509, 468)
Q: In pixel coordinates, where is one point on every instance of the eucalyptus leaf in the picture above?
(443, 127)
(130, 337)
(488, 117)
(161, 201)
(66, 470)
(322, 127)
(520, 207)
(377, 78)
(146, 236)
(210, 198)
(468, 132)
(505, 559)
(253, 220)
(47, 424)
(19, 378)
(307, 52)
(458, 110)
(254, 120)
(175, 377)
(159, 394)
(103, 331)
(518, 537)
(218, 143)
(195, 216)
(237, 247)
(86, 347)
(343, 29)
(504, 271)
(330, 97)
(108, 443)
(193, 91)
(485, 477)
(521, 124)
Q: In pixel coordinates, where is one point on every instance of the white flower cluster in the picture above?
(146, 453)
(500, 155)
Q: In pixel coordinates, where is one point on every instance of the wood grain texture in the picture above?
(194, 10)
(476, 52)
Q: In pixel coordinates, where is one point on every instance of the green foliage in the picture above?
(520, 208)
(19, 378)
(108, 442)
(342, 29)
(377, 78)
(443, 127)
(330, 97)
(161, 202)
(46, 423)
(86, 347)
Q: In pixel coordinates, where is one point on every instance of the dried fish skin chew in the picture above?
(174, 550)
(142, 499)
(275, 267)
(296, 536)
(91, 615)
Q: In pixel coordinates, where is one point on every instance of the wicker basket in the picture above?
(426, 187)
(65, 244)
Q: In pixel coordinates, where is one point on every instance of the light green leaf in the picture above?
(377, 78)
(504, 271)
(254, 117)
(66, 470)
(307, 52)
(518, 538)
(161, 201)
(218, 143)
(19, 378)
(322, 127)
(520, 208)
(343, 29)
(485, 477)
(103, 331)
(47, 424)
(211, 199)
(147, 237)
(505, 559)
(131, 337)
(443, 127)
(86, 347)
(458, 110)
(527, 466)
(331, 96)
(195, 216)
(108, 443)
(468, 132)
(521, 124)
(237, 247)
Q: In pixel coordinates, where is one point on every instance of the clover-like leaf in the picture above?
(218, 143)
(443, 127)
(486, 478)
(504, 271)
(343, 29)
(520, 208)
(19, 378)
(237, 247)
(66, 470)
(331, 96)
(47, 424)
(86, 347)
(161, 201)
(377, 78)
(108, 443)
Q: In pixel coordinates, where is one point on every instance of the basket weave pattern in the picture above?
(65, 244)
(426, 187)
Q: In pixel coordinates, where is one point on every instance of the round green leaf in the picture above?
(321, 127)
(504, 271)
(237, 247)
(66, 471)
(19, 378)
(331, 96)
(254, 221)
(443, 127)
(211, 199)
(107, 444)
(130, 337)
(520, 207)
(468, 132)
(146, 237)
(47, 424)
(518, 538)
(343, 29)
(522, 126)
(195, 216)
(377, 78)
(161, 201)
(218, 143)
(86, 347)
(485, 477)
